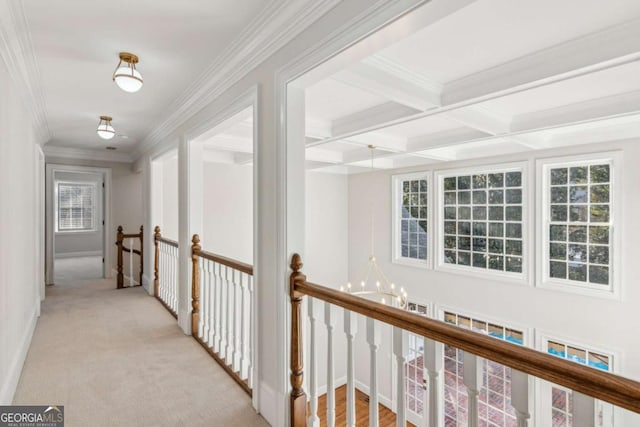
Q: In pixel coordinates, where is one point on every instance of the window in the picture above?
(578, 223)
(411, 216)
(75, 209)
(557, 400)
(494, 406)
(482, 224)
(416, 376)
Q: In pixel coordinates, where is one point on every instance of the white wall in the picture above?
(19, 268)
(599, 322)
(89, 242)
(169, 225)
(227, 197)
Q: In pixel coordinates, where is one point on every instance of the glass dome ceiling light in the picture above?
(126, 76)
(105, 130)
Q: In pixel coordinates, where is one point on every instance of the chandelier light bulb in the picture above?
(105, 130)
(362, 284)
(384, 301)
(126, 76)
(349, 285)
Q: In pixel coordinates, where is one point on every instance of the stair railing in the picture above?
(587, 383)
(131, 250)
(165, 272)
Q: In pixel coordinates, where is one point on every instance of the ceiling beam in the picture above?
(361, 120)
(595, 52)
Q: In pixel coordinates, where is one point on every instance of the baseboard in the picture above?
(147, 284)
(8, 389)
(381, 398)
(337, 383)
(78, 254)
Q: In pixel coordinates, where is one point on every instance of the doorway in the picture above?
(76, 222)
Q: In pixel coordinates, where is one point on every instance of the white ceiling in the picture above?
(76, 44)
(494, 77)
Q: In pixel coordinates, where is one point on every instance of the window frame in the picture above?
(94, 190)
(543, 167)
(543, 399)
(523, 278)
(396, 219)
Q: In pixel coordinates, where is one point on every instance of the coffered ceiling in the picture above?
(493, 77)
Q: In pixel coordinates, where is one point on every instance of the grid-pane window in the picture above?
(76, 203)
(494, 402)
(562, 398)
(580, 223)
(413, 219)
(483, 220)
(416, 383)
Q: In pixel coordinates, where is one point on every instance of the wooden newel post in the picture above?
(156, 261)
(298, 400)
(141, 253)
(120, 279)
(195, 285)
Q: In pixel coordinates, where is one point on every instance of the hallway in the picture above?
(117, 357)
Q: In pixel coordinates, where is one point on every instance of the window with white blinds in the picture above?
(76, 206)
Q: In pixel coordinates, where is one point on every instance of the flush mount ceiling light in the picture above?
(126, 76)
(105, 130)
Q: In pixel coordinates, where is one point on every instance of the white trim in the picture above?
(523, 278)
(396, 216)
(51, 169)
(52, 151)
(10, 383)
(78, 254)
(16, 49)
(615, 159)
(382, 399)
(278, 24)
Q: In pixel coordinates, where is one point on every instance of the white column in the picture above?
(252, 316)
(473, 381)
(330, 322)
(350, 330)
(520, 397)
(373, 338)
(584, 410)
(314, 420)
(399, 350)
(433, 364)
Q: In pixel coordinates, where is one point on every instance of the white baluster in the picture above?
(350, 330)
(243, 326)
(373, 338)
(163, 271)
(211, 300)
(175, 278)
(433, 364)
(473, 381)
(234, 319)
(584, 410)
(218, 307)
(205, 290)
(330, 322)
(399, 350)
(520, 397)
(252, 312)
(227, 298)
(130, 262)
(313, 420)
(172, 279)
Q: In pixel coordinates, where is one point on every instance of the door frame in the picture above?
(51, 169)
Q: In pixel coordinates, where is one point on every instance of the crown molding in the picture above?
(86, 154)
(279, 23)
(392, 67)
(17, 52)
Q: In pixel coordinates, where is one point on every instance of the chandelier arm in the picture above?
(114, 71)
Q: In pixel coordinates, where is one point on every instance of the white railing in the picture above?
(166, 272)
(222, 321)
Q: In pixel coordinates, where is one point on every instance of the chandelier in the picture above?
(375, 285)
(126, 76)
(105, 130)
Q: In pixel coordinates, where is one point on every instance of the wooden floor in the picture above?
(386, 416)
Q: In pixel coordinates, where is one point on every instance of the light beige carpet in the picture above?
(73, 269)
(117, 358)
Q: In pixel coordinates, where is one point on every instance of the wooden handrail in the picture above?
(236, 265)
(121, 248)
(165, 240)
(596, 383)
